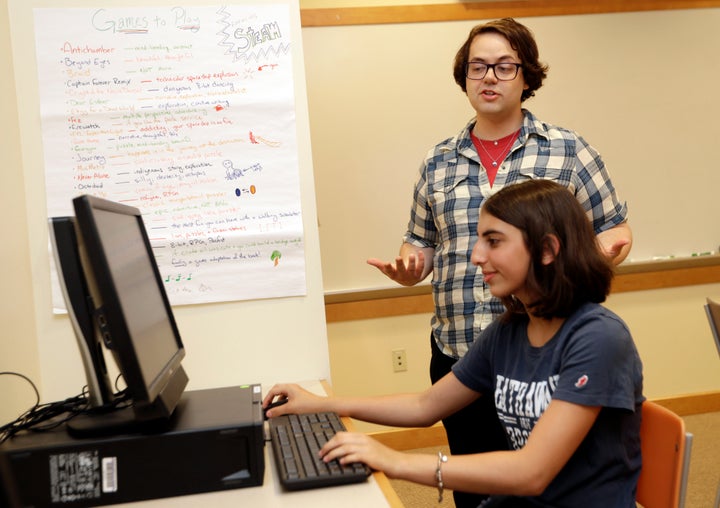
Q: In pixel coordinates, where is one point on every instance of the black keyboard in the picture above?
(296, 441)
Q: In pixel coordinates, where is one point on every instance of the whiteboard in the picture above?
(640, 87)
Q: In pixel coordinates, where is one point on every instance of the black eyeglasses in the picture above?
(504, 71)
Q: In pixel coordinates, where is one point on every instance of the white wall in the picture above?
(18, 345)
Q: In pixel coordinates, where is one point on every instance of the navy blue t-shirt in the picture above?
(592, 361)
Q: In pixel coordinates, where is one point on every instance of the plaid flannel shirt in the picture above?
(446, 202)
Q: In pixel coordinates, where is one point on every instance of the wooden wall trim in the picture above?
(412, 438)
(350, 306)
(381, 307)
(409, 439)
(692, 404)
(338, 16)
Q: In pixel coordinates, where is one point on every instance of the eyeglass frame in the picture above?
(488, 66)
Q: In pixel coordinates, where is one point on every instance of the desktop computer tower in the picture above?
(215, 442)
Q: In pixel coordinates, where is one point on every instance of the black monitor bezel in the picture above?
(107, 304)
(74, 288)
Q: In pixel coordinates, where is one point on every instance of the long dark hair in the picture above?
(521, 40)
(580, 272)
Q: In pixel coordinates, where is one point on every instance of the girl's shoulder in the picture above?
(590, 314)
(596, 328)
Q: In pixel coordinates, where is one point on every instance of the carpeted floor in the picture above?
(413, 495)
(703, 480)
(704, 476)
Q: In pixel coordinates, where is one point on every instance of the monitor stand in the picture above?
(145, 418)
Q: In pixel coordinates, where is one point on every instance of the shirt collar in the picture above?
(531, 126)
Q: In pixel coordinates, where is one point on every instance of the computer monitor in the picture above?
(131, 315)
(78, 303)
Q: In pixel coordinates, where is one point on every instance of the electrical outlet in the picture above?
(399, 360)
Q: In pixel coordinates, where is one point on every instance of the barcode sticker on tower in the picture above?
(109, 474)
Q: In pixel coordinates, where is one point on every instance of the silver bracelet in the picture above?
(438, 475)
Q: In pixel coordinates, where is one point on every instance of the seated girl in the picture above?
(562, 369)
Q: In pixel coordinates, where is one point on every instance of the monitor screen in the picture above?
(131, 312)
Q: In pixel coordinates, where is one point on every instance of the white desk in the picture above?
(375, 492)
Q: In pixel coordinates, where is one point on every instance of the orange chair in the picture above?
(666, 450)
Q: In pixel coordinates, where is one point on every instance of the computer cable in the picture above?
(44, 417)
